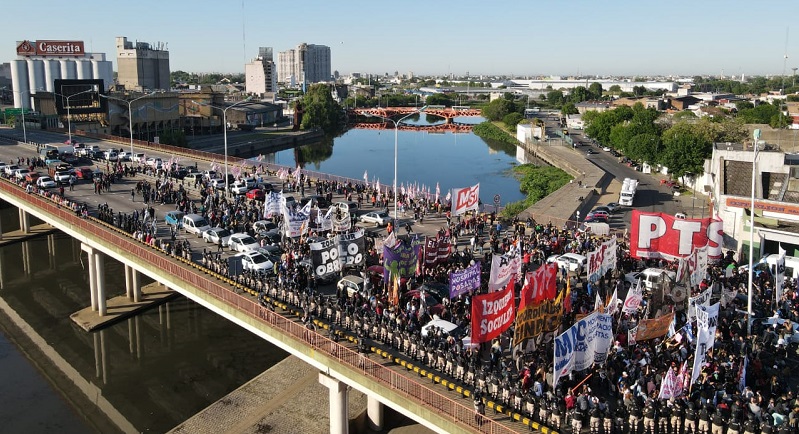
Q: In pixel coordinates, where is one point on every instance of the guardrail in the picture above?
(375, 371)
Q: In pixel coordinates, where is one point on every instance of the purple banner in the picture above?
(461, 282)
(402, 259)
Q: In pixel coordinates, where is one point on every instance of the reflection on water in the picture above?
(451, 160)
(155, 370)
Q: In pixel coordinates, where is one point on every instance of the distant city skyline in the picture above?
(437, 38)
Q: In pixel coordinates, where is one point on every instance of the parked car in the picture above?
(45, 181)
(591, 218)
(242, 242)
(111, 155)
(263, 226)
(571, 261)
(272, 252)
(600, 212)
(256, 194)
(377, 218)
(174, 218)
(213, 235)
(590, 152)
(255, 261)
(84, 173)
(434, 306)
(606, 148)
(32, 176)
(315, 200)
(602, 208)
(238, 187)
(351, 284)
(613, 207)
(195, 224)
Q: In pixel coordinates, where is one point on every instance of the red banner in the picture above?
(431, 252)
(492, 314)
(659, 235)
(465, 199)
(539, 285)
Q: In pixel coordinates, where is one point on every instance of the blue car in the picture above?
(174, 218)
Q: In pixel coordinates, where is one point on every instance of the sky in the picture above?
(518, 38)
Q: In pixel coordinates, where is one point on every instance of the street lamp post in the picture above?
(756, 137)
(69, 119)
(224, 128)
(396, 143)
(130, 114)
(24, 130)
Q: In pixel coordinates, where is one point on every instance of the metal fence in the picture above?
(351, 360)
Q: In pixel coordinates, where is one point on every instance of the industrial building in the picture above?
(203, 113)
(40, 63)
(261, 75)
(141, 66)
(306, 64)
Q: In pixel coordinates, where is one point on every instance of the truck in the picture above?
(627, 194)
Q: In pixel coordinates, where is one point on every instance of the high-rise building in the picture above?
(140, 66)
(260, 75)
(308, 63)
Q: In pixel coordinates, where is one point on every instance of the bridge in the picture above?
(417, 391)
(453, 127)
(447, 113)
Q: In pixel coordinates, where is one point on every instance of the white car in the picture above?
(570, 261)
(255, 261)
(10, 169)
(242, 243)
(155, 163)
(124, 156)
(213, 235)
(20, 173)
(111, 155)
(606, 148)
(45, 182)
(377, 218)
(238, 187)
(249, 181)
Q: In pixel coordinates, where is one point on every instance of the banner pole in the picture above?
(581, 382)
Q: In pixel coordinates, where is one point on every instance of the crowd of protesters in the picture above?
(621, 396)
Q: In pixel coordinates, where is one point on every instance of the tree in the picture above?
(512, 119)
(639, 90)
(685, 150)
(615, 89)
(595, 90)
(438, 99)
(320, 110)
(643, 147)
(569, 109)
(555, 97)
(497, 109)
(579, 94)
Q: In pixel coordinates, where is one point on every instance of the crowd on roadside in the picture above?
(621, 396)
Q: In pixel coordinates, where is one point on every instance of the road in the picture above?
(652, 196)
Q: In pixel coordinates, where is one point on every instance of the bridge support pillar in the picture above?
(135, 278)
(374, 413)
(1, 229)
(339, 413)
(128, 282)
(24, 221)
(92, 274)
(99, 262)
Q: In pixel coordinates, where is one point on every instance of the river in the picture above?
(451, 160)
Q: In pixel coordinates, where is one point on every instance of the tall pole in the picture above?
(69, 118)
(130, 113)
(751, 270)
(224, 129)
(396, 148)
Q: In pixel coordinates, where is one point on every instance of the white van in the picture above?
(791, 264)
(650, 278)
(195, 224)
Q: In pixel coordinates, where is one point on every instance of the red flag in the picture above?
(567, 299)
(492, 314)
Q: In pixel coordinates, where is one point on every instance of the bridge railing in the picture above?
(407, 386)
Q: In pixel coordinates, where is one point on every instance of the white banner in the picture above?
(465, 199)
(583, 344)
(780, 275)
(706, 319)
(697, 265)
(503, 267)
(634, 298)
(272, 204)
(341, 220)
(326, 221)
(601, 260)
(702, 299)
(295, 223)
